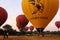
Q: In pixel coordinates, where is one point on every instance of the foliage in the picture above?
(1, 32)
(7, 27)
(23, 32)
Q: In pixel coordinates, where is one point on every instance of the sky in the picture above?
(14, 8)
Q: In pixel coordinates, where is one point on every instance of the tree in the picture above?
(7, 27)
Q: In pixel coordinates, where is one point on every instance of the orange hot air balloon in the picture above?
(40, 12)
(3, 15)
(57, 23)
(22, 21)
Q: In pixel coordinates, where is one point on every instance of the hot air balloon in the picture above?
(40, 12)
(31, 28)
(19, 27)
(3, 16)
(21, 21)
(57, 23)
(26, 28)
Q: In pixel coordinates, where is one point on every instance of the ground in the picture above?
(36, 37)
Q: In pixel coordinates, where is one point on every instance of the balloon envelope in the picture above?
(26, 28)
(3, 15)
(57, 23)
(31, 27)
(22, 21)
(18, 26)
(40, 12)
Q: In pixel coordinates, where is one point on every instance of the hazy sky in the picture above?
(13, 7)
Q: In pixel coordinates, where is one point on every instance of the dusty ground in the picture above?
(47, 37)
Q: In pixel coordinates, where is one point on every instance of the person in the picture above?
(5, 35)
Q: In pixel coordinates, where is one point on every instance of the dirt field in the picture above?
(49, 37)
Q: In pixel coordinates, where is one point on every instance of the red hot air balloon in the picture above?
(22, 21)
(57, 23)
(3, 15)
(31, 28)
(26, 28)
(18, 26)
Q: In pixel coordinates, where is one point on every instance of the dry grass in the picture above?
(49, 37)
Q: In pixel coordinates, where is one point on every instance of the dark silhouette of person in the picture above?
(5, 35)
